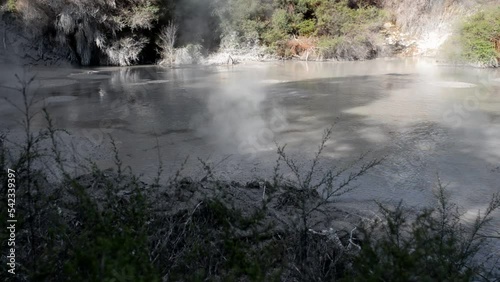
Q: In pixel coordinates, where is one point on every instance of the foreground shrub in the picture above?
(431, 245)
(89, 228)
(11, 5)
(477, 40)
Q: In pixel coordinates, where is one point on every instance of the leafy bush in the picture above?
(125, 51)
(243, 18)
(64, 230)
(327, 46)
(275, 25)
(104, 32)
(347, 48)
(477, 40)
(337, 18)
(306, 27)
(112, 243)
(278, 32)
(348, 33)
(11, 5)
(166, 43)
(87, 31)
(190, 54)
(276, 40)
(433, 245)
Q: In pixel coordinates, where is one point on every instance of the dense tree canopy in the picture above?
(125, 32)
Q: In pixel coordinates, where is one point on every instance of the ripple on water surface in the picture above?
(89, 75)
(60, 99)
(56, 82)
(147, 81)
(453, 84)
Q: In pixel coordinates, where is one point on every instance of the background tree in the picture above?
(168, 36)
(94, 31)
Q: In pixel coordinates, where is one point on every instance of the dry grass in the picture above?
(302, 46)
(497, 46)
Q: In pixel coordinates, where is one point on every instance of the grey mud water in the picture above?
(425, 119)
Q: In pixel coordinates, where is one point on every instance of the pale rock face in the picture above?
(401, 43)
(388, 25)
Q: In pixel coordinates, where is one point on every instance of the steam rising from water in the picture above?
(432, 41)
(240, 114)
(235, 111)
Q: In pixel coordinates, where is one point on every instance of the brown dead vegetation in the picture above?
(302, 46)
(496, 41)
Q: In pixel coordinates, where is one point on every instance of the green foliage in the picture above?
(275, 24)
(278, 33)
(337, 18)
(216, 247)
(68, 232)
(474, 42)
(11, 5)
(306, 27)
(433, 245)
(275, 38)
(280, 20)
(101, 32)
(327, 46)
(348, 33)
(112, 245)
(250, 31)
(246, 18)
